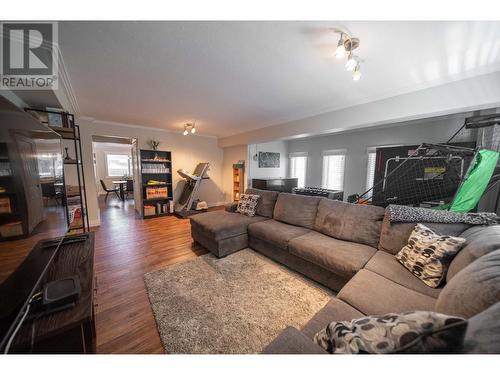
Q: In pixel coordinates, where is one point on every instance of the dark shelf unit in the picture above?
(70, 131)
(156, 165)
(10, 193)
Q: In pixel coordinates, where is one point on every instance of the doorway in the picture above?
(113, 159)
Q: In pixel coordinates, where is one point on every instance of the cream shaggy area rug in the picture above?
(237, 304)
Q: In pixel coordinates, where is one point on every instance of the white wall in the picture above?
(231, 156)
(100, 151)
(357, 143)
(277, 146)
(471, 94)
(187, 152)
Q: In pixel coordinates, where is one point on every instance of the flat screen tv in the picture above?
(31, 210)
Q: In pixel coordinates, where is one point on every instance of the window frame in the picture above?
(334, 152)
(298, 155)
(129, 168)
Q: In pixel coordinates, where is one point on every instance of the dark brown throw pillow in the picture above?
(410, 332)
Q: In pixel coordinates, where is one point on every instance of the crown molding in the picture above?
(143, 127)
(65, 92)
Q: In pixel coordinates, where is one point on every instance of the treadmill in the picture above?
(184, 206)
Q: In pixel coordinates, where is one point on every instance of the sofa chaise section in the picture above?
(222, 232)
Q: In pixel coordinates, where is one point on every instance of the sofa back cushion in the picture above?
(296, 209)
(267, 200)
(483, 332)
(394, 236)
(350, 222)
(473, 289)
(480, 241)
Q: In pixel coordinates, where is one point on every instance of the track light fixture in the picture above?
(345, 47)
(351, 62)
(189, 127)
(356, 74)
(340, 51)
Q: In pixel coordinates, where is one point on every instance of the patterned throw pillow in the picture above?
(411, 332)
(428, 254)
(247, 204)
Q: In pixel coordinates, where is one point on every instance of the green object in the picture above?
(475, 183)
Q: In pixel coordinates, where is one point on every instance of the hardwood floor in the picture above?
(126, 248)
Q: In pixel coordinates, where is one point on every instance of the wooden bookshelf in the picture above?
(238, 181)
(156, 197)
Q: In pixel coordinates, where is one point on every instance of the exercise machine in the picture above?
(187, 204)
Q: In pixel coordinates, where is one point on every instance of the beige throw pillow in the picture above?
(428, 254)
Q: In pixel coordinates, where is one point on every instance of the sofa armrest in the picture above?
(231, 207)
(292, 341)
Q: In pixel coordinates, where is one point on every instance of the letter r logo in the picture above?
(27, 49)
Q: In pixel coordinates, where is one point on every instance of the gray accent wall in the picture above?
(357, 143)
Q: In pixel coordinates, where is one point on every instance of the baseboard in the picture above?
(216, 204)
(95, 223)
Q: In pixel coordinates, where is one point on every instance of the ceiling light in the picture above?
(189, 127)
(351, 63)
(345, 47)
(340, 51)
(356, 75)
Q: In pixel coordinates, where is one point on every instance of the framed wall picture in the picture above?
(269, 159)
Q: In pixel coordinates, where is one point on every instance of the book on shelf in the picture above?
(5, 205)
(156, 192)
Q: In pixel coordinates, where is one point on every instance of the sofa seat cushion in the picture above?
(275, 232)
(350, 222)
(372, 294)
(296, 209)
(387, 265)
(292, 341)
(335, 309)
(222, 224)
(341, 257)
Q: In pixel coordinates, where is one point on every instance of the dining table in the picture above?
(121, 184)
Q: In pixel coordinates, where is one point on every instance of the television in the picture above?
(32, 210)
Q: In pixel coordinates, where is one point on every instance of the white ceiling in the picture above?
(233, 77)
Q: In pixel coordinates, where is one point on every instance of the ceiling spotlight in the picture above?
(189, 127)
(340, 51)
(351, 63)
(356, 74)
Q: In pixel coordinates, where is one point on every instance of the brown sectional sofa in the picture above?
(350, 249)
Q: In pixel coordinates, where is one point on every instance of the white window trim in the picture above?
(340, 151)
(106, 161)
(324, 153)
(298, 154)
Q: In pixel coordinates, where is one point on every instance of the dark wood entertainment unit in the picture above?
(284, 185)
(67, 331)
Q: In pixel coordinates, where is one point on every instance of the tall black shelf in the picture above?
(9, 194)
(70, 131)
(156, 165)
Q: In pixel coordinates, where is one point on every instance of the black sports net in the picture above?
(431, 175)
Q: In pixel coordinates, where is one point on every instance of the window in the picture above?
(118, 165)
(370, 171)
(298, 162)
(333, 169)
(50, 165)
